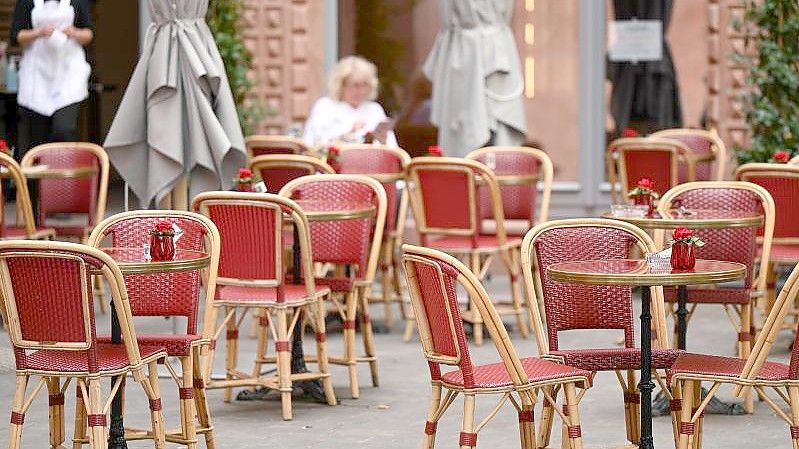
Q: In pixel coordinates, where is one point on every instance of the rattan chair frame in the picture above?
(24, 206)
(358, 298)
(717, 146)
(143, 370)
(479, 258)
(104, 165)
(293, 144)
(686, 386)
(526, 389)
(274, 316)
(546, 173)
(192, 375)
(298, 161)
(392, 238)
(535, 298)
(615, 160)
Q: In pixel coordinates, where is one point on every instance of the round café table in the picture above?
(636, 273)
(133, 261)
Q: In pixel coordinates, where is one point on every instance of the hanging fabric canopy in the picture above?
(646, 91)
(477, 77)
(178, 116)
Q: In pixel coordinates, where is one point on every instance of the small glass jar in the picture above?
(162, 247)
(645, 200)
(683, 256)
(244, 187)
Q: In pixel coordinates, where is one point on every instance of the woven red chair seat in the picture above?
(784, 253)
(339, 285)
(15, 232)
(496, 376)
(711, 295)
(293, 293)
(712, 365)
(110, 357)
(458, 242)
(71, 231)
(615, 358)
(175, 345)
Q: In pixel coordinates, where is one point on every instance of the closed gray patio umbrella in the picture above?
(178, 116)
(477, 77)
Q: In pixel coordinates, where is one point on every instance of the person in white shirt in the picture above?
(349, 112)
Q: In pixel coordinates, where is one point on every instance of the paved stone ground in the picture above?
(392, 416)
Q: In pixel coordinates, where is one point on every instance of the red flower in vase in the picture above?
(629, 132)
(244, 174)
(4, 146)
(685, 235)
(644, 186)
(782, 157)
(435, 150)
(163, 228)
(333, 153)
(646, 183)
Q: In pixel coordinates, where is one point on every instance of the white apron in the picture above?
(53, 72)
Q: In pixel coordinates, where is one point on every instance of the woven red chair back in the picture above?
(447, 199)
(572, 306)
(653, 164)
(341, 241)
(518, 201)
(700, 147)
(69, 196)
(161, 294)
(729, 244)
(784, 190)
(437, 300)
(250, 239)
(275, 178)
(363, 161)
(49, 297)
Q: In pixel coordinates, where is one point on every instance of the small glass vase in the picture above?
(645, 200)
(244, 187)
(683, 256)
(162, 248)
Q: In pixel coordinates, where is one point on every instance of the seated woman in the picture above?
(349, 112)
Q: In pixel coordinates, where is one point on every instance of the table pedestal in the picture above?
(116, 429)
(645, 386)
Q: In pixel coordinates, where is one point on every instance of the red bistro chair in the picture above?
(566, 307)
(62, 343)
(631, 158)
(352, 246)
(176, 294)
(518, 170)
(277, 170)
(445, 202)
(83, 195)
(707, 147)
(433, 278)
(252, 278)
(25, 227)
(386, 165)
(782, 182)
(260, 145)
(691, 370)
(739, 244)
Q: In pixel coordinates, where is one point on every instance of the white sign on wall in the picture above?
(635, 40)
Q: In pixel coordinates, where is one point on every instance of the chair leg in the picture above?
(321, 350)
(793, 396)
(263, 340)
(527, 421)
(468, 439)
(350, 312)
(231, 352)
(368, 335)
(385, 281)
(547, 416)
(80, 420)
(574, 431)
(685, 426)
(744, 348)
(283, 352)
(477, 321)
(512, 263)
(17, 415)
(201, 399)
(55, 402)
(99, 292)
(187, 411)
(410, 326)
(98, 422)
(153, 391)
(431, 424)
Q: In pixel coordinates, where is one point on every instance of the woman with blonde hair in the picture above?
(349, 112)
